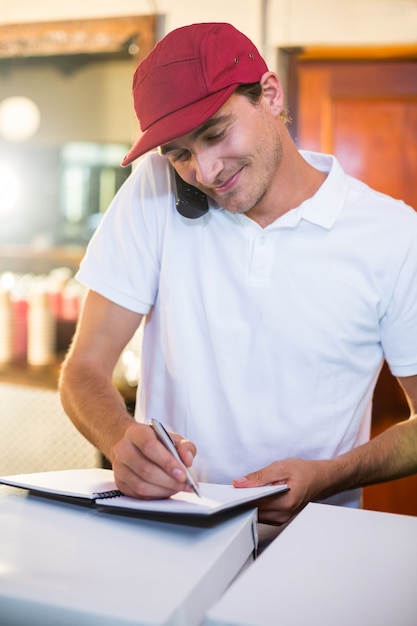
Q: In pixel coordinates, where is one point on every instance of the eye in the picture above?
(216, 137)
(179, 157)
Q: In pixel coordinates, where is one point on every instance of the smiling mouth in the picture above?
(225, 186)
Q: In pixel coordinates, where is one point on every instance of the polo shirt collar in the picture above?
(325, 206)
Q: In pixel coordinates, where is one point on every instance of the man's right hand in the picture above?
(144, 468)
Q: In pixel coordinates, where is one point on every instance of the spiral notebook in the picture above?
(97, 486)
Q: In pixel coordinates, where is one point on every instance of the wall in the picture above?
(343, 21)
(91, 103)
(47, 439)
(270, 23)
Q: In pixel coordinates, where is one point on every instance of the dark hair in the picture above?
(253, 91)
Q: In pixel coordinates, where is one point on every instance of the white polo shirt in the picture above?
(262, 343)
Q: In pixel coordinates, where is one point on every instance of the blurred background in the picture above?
(349, 69)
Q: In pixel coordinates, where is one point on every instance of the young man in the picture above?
(267, 319)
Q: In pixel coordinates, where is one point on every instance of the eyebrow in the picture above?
(213, 121)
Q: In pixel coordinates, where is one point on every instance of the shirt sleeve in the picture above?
(122, 260)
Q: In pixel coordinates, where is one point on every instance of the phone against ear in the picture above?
(190, 201)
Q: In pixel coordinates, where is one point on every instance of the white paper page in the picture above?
(214, 498)
(77, 483)
(93, 483)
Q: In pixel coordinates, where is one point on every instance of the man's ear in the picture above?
(272, 91)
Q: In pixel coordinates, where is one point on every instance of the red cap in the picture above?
(186, 78)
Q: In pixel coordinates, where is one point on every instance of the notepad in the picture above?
(97, 486)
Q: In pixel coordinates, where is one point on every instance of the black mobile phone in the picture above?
(190, 201)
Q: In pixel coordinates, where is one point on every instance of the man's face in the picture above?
(233, 156)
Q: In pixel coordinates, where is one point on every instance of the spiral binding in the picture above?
(114, 493)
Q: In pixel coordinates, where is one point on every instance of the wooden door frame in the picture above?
(291, 57)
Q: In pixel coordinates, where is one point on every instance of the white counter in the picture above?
(67, 564)
(331, 566)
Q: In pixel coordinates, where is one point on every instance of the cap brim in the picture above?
(178, 123)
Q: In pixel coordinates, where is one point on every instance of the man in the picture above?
(267, 319)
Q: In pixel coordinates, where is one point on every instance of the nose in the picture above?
(207, 168)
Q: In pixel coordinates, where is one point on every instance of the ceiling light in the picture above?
(19, 118)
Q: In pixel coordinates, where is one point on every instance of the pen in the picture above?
(165, 438)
